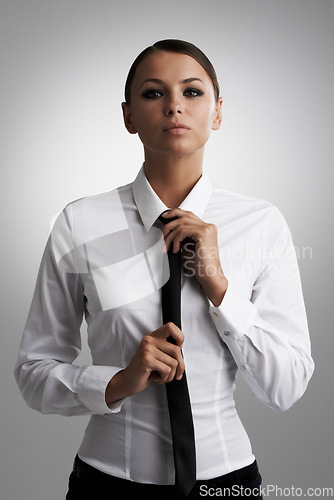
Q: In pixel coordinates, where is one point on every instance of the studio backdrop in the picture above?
(63, 68)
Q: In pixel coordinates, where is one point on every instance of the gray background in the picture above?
(63, 66)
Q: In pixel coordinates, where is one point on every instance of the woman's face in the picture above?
(173, 107)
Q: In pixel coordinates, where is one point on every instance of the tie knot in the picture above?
(164, 220)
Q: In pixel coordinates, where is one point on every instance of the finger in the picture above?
(159, 355)
(180, 234)
(169, 354)
(161, 373)
(178, 212)
(183, 217)
(167, 362)
(174, 240)
(169, 330)
(188, 248)
(174, 363)
(171, 226)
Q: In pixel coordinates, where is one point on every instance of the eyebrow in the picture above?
(161, 82)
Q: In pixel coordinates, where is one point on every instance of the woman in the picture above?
(242, 304)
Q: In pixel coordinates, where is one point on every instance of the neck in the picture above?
(172, 178)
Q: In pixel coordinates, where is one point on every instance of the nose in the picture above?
(173, 106)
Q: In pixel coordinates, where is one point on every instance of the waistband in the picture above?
(245, 475)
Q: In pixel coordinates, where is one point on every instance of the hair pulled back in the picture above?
(173, 45)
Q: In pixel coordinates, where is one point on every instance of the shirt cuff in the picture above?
(233, 319)
(234, 316)
(92, 386)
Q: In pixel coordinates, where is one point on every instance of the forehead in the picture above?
(170, 66)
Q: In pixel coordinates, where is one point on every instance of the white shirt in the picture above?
(103, 260)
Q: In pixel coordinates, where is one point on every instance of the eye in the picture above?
(152, 94)
(192, 92)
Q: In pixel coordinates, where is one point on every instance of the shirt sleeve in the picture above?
(267, 334)
(48, 380)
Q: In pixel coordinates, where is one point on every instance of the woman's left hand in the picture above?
(199, 249)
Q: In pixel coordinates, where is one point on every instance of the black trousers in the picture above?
(87, 483)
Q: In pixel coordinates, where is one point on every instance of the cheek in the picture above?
(144, 118)
(206, 113)
(138, 117)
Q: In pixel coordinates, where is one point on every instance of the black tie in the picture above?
(177, 390)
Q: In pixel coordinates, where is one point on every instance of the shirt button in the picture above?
(215, 313)
(226, 332)
(242, 367)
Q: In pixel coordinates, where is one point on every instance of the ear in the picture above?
(218, 116)
(130, 127)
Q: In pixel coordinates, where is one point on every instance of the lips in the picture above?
(176, 126)
(177, 129)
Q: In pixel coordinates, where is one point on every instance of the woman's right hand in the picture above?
(156, 360)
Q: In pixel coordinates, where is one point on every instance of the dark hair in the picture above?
(181, 47)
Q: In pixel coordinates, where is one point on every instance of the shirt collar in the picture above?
(150, 206)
